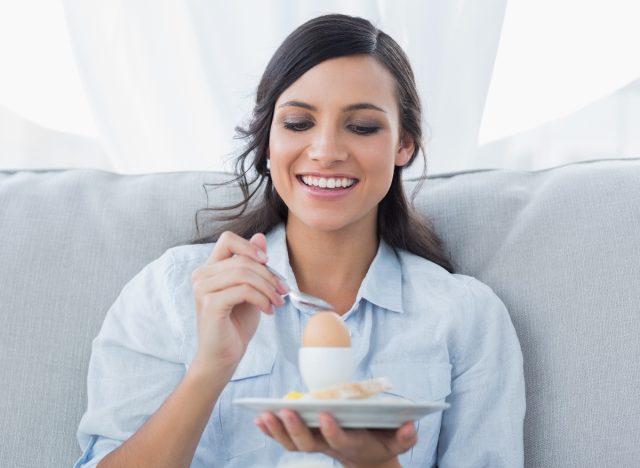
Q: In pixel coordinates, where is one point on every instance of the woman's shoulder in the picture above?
(420, 270)
(173, 266)
(188, 253)
(427, 279)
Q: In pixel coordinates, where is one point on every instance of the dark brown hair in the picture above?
(320, 39)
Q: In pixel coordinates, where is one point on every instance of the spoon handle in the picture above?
(300, 297)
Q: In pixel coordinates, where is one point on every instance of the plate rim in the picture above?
(279, 403)
(314, 407)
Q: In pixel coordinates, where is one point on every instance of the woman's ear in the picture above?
(405, 150)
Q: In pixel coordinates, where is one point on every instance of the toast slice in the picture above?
(353, 390)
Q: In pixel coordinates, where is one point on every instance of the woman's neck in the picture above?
(332, 265)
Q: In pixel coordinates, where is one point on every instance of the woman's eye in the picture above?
(306, 125)
(363, 129)
(297, 126)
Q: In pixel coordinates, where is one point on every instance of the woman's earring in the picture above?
(268, 166)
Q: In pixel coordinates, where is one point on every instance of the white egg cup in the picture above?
(322, 367)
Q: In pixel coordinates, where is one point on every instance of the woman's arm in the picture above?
(484, 425)
(143, 409)
(170, 437)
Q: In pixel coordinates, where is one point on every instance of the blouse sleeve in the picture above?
(484, 425)
(136, 362)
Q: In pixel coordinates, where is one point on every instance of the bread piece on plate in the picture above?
(353, 390)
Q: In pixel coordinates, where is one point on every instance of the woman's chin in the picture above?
(327, 223)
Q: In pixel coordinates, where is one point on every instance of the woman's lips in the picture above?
(326, 193)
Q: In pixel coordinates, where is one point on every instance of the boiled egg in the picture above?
(325, 357)
(326, 329)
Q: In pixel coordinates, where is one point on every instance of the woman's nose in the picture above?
(326, 147)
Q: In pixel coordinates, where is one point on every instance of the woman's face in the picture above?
(335, 139)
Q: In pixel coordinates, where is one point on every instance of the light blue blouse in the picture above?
(435, 335)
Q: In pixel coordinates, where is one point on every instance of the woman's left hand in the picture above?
(351, 447)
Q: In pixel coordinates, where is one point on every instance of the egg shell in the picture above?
(326, 329)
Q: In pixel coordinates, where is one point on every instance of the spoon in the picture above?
(302, 298)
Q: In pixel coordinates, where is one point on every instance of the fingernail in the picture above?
(284, 287)
(270, 423)
(326, 420)
(260, 255)
(288, 417)
(408, 435)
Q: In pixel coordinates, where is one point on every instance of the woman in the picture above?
(337, 118)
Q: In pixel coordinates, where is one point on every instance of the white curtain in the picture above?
(168, 81)
(25, 145)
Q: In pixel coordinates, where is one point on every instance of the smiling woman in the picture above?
(336, 120)
(343, 135)
(301, 107)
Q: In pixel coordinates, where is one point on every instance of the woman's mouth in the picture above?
(327, 188)
(327, 183)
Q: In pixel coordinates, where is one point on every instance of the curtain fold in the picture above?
(25, 145)
(169, 81)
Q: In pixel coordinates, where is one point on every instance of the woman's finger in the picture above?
(352, 442)
(230, 244)
(262, 426)
(335, 436)
(226, 266)
(260, 241)
(273, 427)
(407, 434)
(227, 299)
(299, 433)
(236, 277)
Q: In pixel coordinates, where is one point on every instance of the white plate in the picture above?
(376, 413)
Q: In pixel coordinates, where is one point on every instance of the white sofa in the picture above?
(561, 247)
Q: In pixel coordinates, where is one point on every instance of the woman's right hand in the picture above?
(230, 290)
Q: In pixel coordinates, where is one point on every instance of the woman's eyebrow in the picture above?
(350, 107)
(362, 105)
(304, 105)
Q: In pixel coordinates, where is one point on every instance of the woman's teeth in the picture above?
(328, 182)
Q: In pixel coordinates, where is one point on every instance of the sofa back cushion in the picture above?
(559, 246)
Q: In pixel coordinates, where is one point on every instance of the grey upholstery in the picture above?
(560, 247)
